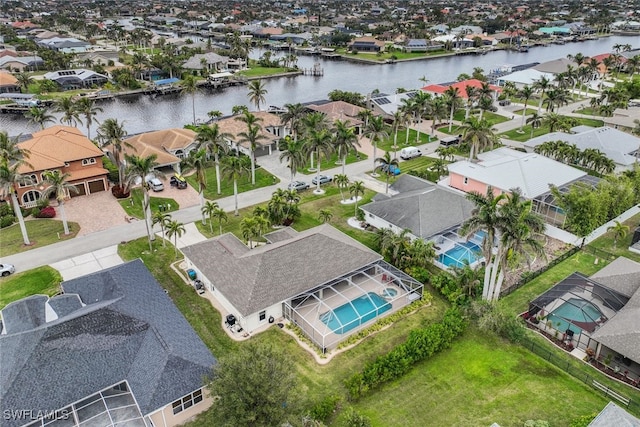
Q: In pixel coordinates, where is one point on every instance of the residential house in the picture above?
(112, 349)
(66, 149)
(458, 41)
(340, 110)
(366, 44)
(386, 105)
(309, 277)
(272, 130)
(8, 83)
(613, 415)
(212, 62)
(421, 45)
(440, 89)
(10, 60)
(524, 78)
(554, 67)
(621, 147)
(623, 118)
(65, 44)
(76, 79)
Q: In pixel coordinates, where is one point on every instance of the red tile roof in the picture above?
(435, 88)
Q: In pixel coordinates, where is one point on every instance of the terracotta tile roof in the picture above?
(86, 172)
(234, 127)
(7, 79)
(435, 88)
(339, 110)
(52, 147)
(169, 139)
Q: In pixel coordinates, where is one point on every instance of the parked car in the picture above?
(409, 153)
(155, 184)
(178, 181)
(450, 140)
(298, 185)
(322, 178)
(6, 269)
(504, 102)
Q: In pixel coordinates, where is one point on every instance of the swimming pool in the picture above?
(575, 314)
(352, 314)
(456, 256)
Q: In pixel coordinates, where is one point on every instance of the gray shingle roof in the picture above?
(254, 279)
(622, 275)
(280, 235)
(422, 207)
(613, 415)
(129, 330)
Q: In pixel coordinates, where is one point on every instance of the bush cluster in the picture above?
(46, 212)
(489, 317)
(420, 345)
(6, 215)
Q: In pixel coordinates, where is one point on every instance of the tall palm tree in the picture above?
(356, 189)
(542, 85)
(526, 93)
(452, 95)
(70, 113)
(175, 229)
(345, 140)
(342, 182)
(10, 178)
(113, 133)
(385, 164)
(251, 136)
(314, 121)
(556, 98)
(190, 87)
(249, 229)
(24, 80)
(472, 95)
(60, 188)
(207, 210)
(215, 142)
(220, 215)
(89, 110)
(535, 121)
(162, 218)
(293, 117)
(318, 141)
(619, 232)
(197, 161)
(39, 116)
(10, 151)
(257, 93)
(478, 134)
(138, 168)
(292, 151)
(399, 120)
(234, 168)
(376, 131)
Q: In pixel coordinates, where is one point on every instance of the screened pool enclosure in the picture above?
(331, 312)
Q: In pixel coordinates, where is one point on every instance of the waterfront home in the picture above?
(212, 62)
(440, 89)
(65, 44)
(272, 129)
(366, 44)
(112, 349)
(386, 105)
(340, 110)
(320, 279)
(76, 79)
(555, 66)
(421, 45)
(524, 78)
(8, 83)
(66, 149)
(10, 60)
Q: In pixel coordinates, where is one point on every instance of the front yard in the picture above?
(263, 179)
(133, 206)
(38, 281)
(41, 232)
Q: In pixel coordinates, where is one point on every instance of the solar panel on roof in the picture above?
(382, 101)
(411, 95)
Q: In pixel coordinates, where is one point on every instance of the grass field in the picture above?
(263, 179)
(41, 232)
(529, 112)
(42, 280)
(621, 248)
(331, 162)
(133, 205)
(262, 71)
(542, 130)
(492, 118)
(387, 144)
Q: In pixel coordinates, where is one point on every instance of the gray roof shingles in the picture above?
(132, 332)
(255, 279)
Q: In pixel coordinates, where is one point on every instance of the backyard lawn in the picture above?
(332, 162)
(515, 135)
(262, 71)
(606, 243)
(41, 232)
(492, 118)
(42, 280)
(263, 179)
(133, 205)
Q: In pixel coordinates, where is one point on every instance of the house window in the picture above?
(31, 180)
(466, 180)
(66, 164)
(262, 315)
(179, 154)
(30, 198)
(90, 161)
(186, 402)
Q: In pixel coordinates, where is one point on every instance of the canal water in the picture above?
(144, 113)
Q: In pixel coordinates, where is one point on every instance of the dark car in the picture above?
(178, 181)
(298, 185)
(322, 178)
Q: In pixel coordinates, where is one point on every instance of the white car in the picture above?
(6, 269)
(155, 184)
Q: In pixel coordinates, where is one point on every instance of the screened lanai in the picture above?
(333, 311)
(547, 206)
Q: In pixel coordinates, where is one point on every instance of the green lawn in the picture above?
(387, 144)
(492, 118)
(263, 179)
(529, 112)
(388, 55)
(606, 243)
(588, 111)
(479, 381)
(133, 205)
(42, 280)
(41, 232)
(542, 130)
(262, 71)
(332, 162)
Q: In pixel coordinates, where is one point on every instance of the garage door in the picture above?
(81, 191)
(96, 186)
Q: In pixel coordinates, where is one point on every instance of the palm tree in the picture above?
(70, 113)
(342, 181)
(535, 121)
(197, 161)
(251, 136)
(211, 139)
(138, 168)
(292, 151)
(556, 98)
(214, 114)
(467, 280)
(163, 219)
(543, 84)
(175, 229)
(452, 95)
(220, 215)
(318, 141)
(10, 151)
(10, 178)
(526, 93)
(386, 164)
(112, 133)
(478, 134)
(553, 121)
(345, 140)
(207, 210)
(472, 94)
(190, 87)
(619, 232)
(24, 80)
(249, 229)
(325, 215)
(89, 110)
(39, 116)
(60, 188)
(356, 189)
(293, 117)
(234, 168)
(314, 121)
(257, 93)
(376, 131)
(399, 120)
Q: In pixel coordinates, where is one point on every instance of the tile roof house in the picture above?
(66, 149)
(8, 83)
(112, 350)
(425, 209)
(366, 44)
(340, 110)
(439, 89)
(272, 129)
(262, 283)
(620, 147)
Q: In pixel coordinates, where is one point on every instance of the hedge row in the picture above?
(420, 345)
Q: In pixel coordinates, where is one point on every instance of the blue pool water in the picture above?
(352, 314)
(456, 256)
(575, 314)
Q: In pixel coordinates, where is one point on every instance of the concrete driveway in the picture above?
(88, 263)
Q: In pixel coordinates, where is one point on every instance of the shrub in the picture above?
(5, 209)
(112, 168)
(355, 419)
(7, 220)
(119, 192)
(48, 212)
(324, 410)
